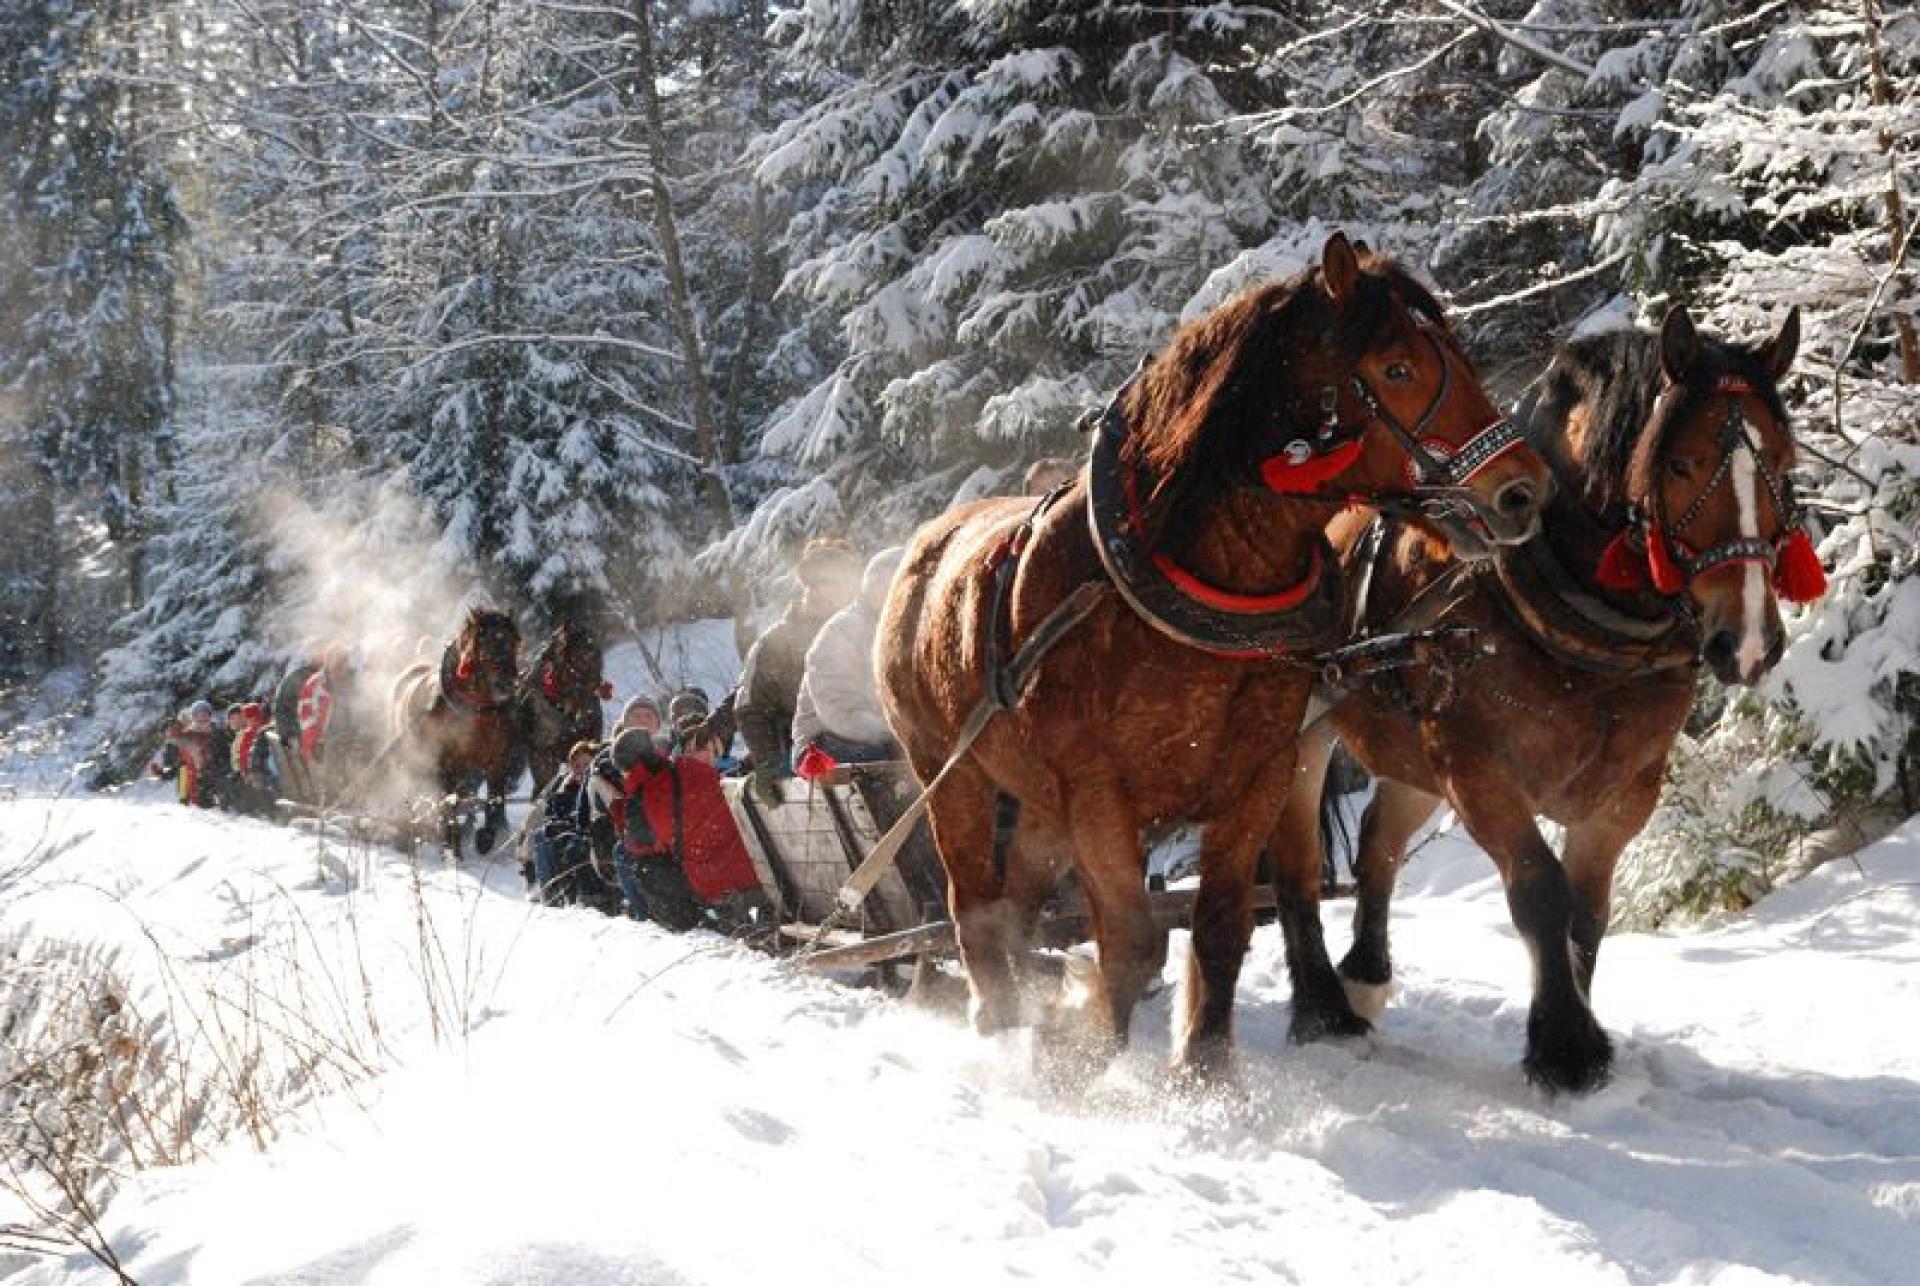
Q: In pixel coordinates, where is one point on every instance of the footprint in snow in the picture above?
(721, 1046)
(758, 1127)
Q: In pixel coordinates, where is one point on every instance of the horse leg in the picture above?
(496, 817)
(1591, 851)
(450, 813)
(1320, 1006)
(1395, 814)
(961, 816)
(1566, 1048)
(1222, 926)
(1111, 866)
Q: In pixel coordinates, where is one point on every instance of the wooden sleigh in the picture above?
(805, 850)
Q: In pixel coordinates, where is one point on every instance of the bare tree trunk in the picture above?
(754, 308)
(753, 311)
(134, 520)
(680, 302)
(1896, 213)
(679, 299)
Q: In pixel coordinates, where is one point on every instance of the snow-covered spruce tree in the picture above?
(1014, 202)
(1775, 168)
(87, 359)
(199, 633)
(484, 318)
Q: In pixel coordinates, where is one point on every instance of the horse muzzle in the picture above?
(1474, 526)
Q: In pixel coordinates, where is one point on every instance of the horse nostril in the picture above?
(1720, 649)
(1517, 499)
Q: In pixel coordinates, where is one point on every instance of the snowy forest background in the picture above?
(306, 305)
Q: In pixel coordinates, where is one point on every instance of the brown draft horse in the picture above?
(1671, 526)
(456, 720)
(557, 701)
(1144, 712)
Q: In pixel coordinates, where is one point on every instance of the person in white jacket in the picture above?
(837, 719)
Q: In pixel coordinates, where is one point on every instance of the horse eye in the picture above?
(1399, 372)
(1680, 468)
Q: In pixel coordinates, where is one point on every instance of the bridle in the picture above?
(1671, 564)
(457, 669)
(1439, 470)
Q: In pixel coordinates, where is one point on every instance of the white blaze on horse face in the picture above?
(1752, 653)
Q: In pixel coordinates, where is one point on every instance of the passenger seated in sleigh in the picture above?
(680, 861)
(837, 717)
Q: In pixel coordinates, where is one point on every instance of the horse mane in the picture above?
(1216, 397)
(1616, 377)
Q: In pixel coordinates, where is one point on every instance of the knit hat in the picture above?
(688, 701)
(641, 703)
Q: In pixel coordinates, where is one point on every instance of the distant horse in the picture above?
(1671, 531)
(557, 701)
(456, 720)
(1195, 533)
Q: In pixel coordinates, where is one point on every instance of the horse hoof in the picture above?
(1326, 1023)
(1205, 1063)
(1367, 999)
(1577, 1060)
(483, 840)
(989, 1018)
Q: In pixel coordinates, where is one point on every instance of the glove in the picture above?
(766, 786)
(815, 763)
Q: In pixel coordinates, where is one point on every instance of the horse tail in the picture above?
(1336, 832)
(406, 690)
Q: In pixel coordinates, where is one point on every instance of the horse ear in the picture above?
(1360, 247)
(1679, 344)
(1339, 269)
(1777, 355)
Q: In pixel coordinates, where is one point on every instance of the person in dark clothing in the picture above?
(829, 574)
(190, 741)
(252, 782)
(559, 832)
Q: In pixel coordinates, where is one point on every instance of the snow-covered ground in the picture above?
(493, 1093)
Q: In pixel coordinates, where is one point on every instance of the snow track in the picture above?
(627, 1107)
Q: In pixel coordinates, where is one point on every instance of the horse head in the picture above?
(1343, 383)
(1711, 521)
(487, 657)
(577, 659)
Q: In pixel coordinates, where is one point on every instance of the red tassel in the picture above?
(1282, 475)
(1667, 577)
(814, 764)
(1622, 567)
(605, 690)
(550, 684)
(464, 670)
(1798, 576)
